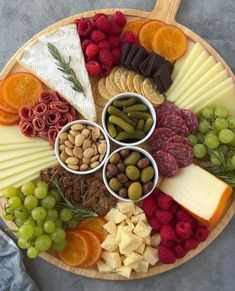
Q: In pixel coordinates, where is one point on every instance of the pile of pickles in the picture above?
(128, 120)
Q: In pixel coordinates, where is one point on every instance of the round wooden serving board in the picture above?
(164, 10)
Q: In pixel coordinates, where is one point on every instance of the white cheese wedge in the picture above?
(129, 242)
(109, 244)
(112, 259)
(125, 207)
(133, 260)
(150, 256)
(111, 228)
(124, 271)
(115, 215)
(143, 267)
(142, 229)
(103, 268)
(130, 224)
(37, 59)
(141, 248)
(198, 191)
(140, 217)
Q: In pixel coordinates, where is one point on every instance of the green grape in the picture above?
(49, 226)
(10, 192)
(192, 139)
(59, 247)
(58, 223)
(215, 160)
(219, 124)
(8, 216)
(58, 235)
(211, 141)
(199, 151)
(38, 213)
(221, 111)
(42, 184)
(28, 188)
(30, 202)
(23, 243)
(30, 221)
(55, 194)
(43, 243)
(73, 223)
(200, 137)
(226, 136)
(40, 192)
(233, 160)
(38, 231)
(48, 202)
(14, 202)
(204, 126)
(52, 214)
(66, 214)
(207, 112)
(32, 253)
(19, 221)
(231, 122)
(26, 231)
(41, 222)
(21, 212)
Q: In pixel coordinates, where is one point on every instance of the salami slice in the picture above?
(159, 137)
(43, 133)
(167, 164)
(183, 153)
(38, 123)
(27, 128)
(48, 96)
(62, 121)
(190, 119)
(176, 123)
(178, 139)
(40, 109)
(168, 108)
(26, 113)
(51, 117)
(52, 134)
(59, 106)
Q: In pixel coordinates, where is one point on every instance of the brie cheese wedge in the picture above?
(38, 60)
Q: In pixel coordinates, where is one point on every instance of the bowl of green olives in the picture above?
(129, 119)
(130, 173)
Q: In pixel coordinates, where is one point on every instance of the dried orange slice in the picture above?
(8, 118)
(147, 31)
(94, 225)
(21, 89)
(134, 26)
(77, 251)
(3, 105)
(95, 248)
(169, 42)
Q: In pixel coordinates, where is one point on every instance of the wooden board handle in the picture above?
(165, 10)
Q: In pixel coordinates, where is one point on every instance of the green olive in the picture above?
(132, 172)
(115, 185)
(115, 158)
(133, 158)
(135, 191)
(147, 174)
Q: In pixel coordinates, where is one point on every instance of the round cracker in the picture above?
(112, 79)
(110, 87)
(117, 77)
(129, 81)
(150, 91)
(123, 81)
(99, 100)
(102, 89)
(137, 82)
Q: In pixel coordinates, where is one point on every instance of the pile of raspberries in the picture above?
(179, 231)
(101, 41)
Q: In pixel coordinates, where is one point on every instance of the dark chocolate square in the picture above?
(139, 57)
(130, 56)
(125, 50)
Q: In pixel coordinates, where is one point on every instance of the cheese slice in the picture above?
(37, 59)
(202, 194)
(17, 146)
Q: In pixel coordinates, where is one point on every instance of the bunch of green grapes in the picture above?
(215, 138)
(41, 221)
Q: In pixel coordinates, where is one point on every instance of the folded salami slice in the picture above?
(59, 106)
(27, 128)
(51, 117)
(26, 113)
(52, 134)
(38, 123)
(48, 97)
(40, 109)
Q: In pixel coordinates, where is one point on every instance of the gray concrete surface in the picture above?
(214, 20)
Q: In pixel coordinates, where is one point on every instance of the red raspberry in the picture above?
(106, 57)
(154, 223)
(84, 26)
(97, 15)
(179, 251)
(103, 23)
(114, 41)
(93, 68)
(190, 244)
(164, 201)
(115, 29)
(92, 50)
(155, 193)
(183, 229)
(166, 256)
(103, 44)
(85, 44)
(117, 53)
(129, 37)
(169, 244)
(183, 215)
(105, 71)
(163, 216)
(174, 207)
(201, 233)
(119, 18)
(167, 232)
(97, 36)
(173, 222)
(149, 206)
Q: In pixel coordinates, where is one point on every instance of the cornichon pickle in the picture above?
(121, 123)
(125, 102)
(136, 107)
(138, 134)
(148, 124)
(112, 130)
(147, 174)
(140, 124)
(133, 158)
(139, 115)
(115, 185)
(117, 112)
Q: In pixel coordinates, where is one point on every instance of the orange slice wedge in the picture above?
(94, 225)
(3, 104)
(8, 118)
(134, 26)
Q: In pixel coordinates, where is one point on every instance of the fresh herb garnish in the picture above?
(65, 68)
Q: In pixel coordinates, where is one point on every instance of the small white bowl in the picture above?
(57, 151)
(144, 153)
(143, 101)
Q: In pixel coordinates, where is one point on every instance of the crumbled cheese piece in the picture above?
(103, 268)
(150, 255)
(112, 259)
(125, 207)
(109, 244)
(142, 229)
(115, 215)
(111, 228)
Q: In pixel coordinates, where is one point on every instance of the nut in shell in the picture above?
(95, 134)
(69, 151)
(95, 149)
(71, 138)
(86, 132)
(102, 148)
(72, 161)
(68, 144)
(86, 144)
(79, 139)
(84, 167)
(88, 153)
(94, 165)
(78, 152)
(101, 157)
(72, 167)
(77, 127)
(74, 132)
(63, 136)
(64, 156)
(86, 161)
(95, 158)
(62, 147)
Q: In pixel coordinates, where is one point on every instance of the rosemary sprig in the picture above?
(65, 68)
(78, 210)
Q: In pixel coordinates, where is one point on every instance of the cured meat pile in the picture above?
(47, 116)
(168, 143)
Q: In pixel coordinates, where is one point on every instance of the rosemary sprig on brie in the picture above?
(65, 68)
